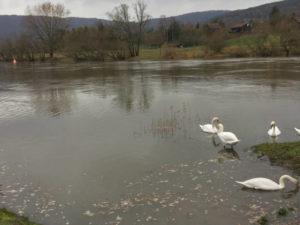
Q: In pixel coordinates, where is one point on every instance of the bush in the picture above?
(169, 53)
(267, 45)
(237, 51)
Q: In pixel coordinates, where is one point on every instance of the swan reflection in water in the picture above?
(289, 194)
(228, 154)
(213, 140)
(284, 193)
(225, 154)
(274, 139)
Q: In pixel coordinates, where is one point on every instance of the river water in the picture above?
(119, 143)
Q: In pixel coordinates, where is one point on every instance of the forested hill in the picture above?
(194, 18)
(260, 12)
(12, 25)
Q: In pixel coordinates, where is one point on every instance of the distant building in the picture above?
(240, 28)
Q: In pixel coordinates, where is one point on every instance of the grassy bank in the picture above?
(9, 218)
(238, 46)
(195, 52)
(283, 154)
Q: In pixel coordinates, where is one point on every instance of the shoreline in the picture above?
(10, 218)
(137, 59)
(167, 53)
(286, 155)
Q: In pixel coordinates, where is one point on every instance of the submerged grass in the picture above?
(9, 218)
(284, 154)
(263, 221)
(282, 212)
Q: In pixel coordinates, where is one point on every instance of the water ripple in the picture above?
(14, 107)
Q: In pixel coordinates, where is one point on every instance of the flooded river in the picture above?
(119, 143)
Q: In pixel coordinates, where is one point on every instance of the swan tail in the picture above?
(240, 182)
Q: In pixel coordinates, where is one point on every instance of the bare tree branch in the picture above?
(47, 23)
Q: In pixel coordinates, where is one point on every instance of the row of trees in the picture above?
(48, 32)
(280, 35)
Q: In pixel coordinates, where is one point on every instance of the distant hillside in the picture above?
(260, 12)
(194, 18)
(11, 26)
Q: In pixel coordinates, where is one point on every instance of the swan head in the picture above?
(220, 128)
(215, 120)
(293, 180)
(272, 124)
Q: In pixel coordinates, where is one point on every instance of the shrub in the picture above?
(237, 51)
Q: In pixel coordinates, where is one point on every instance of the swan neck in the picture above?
(220, 128)
(273, 129)
(281, 182)
(282, 178)
(213, 123)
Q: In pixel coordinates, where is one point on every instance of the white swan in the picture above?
(210, 128)
(267, 184)
(274, 130)
(297, 130)
(227, 138)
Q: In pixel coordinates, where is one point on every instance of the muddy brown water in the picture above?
(119, 143)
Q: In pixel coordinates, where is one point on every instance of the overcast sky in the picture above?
(156, 8)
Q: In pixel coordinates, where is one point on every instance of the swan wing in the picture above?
(297, 130)
(277, 131)
(228, 138)
(274, 134)
(270, 132)
(260, 183)
(208, 128)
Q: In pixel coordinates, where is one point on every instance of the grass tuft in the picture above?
(283, 154)
(9, 218)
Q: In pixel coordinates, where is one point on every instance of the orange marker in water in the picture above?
(15, 61)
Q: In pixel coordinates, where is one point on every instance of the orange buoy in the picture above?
(15, 61)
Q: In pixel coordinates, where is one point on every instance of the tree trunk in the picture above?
(137, 52)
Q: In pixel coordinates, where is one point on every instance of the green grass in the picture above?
(9, 218)
(286, 154)
(263, 221)
(245, 40)
(282, 212)
(194, 52)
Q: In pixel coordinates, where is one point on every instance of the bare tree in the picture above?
(288, 31)
(142, 18)
(47, 23)
(132, 29)
(121, 17)
(164, 24)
